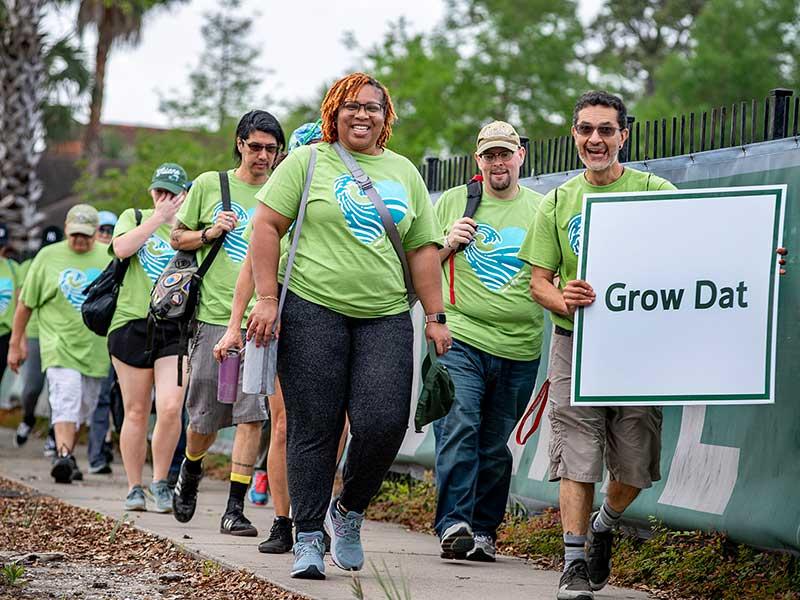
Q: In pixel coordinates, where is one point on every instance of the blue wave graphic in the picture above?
(498, 265)
(154, 256)
(72, 282)
(361, 215)
(6, 294)
(574, 233)
(235, 245)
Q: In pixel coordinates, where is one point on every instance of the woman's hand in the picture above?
(166, 204)
(232, 340)
(439, 334)
(17, 353)
(260, 321)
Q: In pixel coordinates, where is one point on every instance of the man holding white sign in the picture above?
(629, 437)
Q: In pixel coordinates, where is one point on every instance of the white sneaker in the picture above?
(23, 431)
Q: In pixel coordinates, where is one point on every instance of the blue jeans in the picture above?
(473, 462)
(100, 421)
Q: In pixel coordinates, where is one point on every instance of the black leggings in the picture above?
(329, 365)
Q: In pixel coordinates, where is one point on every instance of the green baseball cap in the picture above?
(438, 392)
(170, 177)
(83, 219)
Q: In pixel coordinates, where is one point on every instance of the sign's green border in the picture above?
(778, 194)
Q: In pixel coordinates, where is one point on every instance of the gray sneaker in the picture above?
(136, 499)
(484, 549)
(345, 531)
(162, 494)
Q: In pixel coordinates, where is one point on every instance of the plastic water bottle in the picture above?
(228, 381)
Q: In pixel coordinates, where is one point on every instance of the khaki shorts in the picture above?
(206, 414)
(628, 437)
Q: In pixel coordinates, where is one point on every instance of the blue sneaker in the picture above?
(309, 552)
(345, 532)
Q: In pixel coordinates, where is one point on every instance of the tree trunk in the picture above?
(22, 77)
(91, 140)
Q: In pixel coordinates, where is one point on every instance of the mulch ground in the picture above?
(77, 553)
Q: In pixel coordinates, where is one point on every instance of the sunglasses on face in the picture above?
(257, 148)
(107, 229)
(586, 130)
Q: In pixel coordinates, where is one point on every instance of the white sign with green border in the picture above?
(687, 297)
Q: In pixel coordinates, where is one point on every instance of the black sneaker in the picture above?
(280, 537)
(574, 584)
(235, 523)
(76, 472)
(62, 469)
(457, 541)
(23, 431)
(598, 556)
(184, 500)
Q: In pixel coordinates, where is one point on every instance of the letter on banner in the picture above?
(702, 476)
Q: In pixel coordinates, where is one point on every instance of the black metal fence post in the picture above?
(432, 172)
(778, 114)
(525, 167)
(625, 151)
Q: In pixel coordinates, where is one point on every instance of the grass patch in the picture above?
(673, 564)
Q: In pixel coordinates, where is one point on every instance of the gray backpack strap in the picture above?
(298, 223)
(365, 184)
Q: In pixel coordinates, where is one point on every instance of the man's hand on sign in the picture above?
(782, 261)
(461, 232)
(578, 293)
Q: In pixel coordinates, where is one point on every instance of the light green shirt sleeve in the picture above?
(541, 247)
(191, 209)
(425, 228)
(284, 189)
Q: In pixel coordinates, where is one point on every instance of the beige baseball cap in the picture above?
(498, 134)
(82, 219)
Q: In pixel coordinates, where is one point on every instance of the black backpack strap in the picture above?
(122, 265)
(224, 187)
(474, 196)
(647, 186)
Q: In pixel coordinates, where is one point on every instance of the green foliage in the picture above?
(11, 573)
(67, 84)
(221, 86)
(117, 189)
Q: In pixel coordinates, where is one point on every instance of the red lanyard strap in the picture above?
(540, 401)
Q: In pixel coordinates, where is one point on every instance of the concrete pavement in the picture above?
(414, 555)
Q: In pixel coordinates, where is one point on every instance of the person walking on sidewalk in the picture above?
(626, 438)
(497, 340)
(74, 359)
(32, 375)
(200, 221)
(143, 363)
(346, 339)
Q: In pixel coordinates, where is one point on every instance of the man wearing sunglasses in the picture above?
(629, 438)
(201, 220)
(497, 340)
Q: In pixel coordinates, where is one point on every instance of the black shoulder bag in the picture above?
(101, 295)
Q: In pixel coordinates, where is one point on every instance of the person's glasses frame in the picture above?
(604, 131)
(107, 229)
(503, 155)
(371, 108)
(257, 148)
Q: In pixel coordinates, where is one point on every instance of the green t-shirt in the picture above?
(144, 268)
(493, 308)
(344, 259)
(199, 211)
(554, 242)
(8, 285)
(32, 328)
(54, 286)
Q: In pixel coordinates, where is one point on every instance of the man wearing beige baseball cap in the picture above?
(73, 358)
(497, 338)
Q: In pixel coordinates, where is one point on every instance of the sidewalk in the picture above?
(416, 555)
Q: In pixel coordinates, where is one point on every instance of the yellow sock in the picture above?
(240, 478)
(195, 458)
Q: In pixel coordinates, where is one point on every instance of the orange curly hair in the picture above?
(346, 89)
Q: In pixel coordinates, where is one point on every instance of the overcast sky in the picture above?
(301, 41)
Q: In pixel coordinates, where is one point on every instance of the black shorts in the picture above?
(129, 343)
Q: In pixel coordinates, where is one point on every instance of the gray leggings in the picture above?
(34, 381)
(329, 365)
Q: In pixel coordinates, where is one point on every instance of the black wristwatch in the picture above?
(440, 318)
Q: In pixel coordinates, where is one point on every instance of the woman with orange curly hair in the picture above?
(346, 339)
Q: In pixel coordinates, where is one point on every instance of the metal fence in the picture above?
(723, 127)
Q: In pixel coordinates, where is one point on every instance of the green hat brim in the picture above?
(167, 185)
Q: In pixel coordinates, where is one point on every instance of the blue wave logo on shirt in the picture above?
(235, 245)
(497, 265)
(154, 256)
(6, 294)
(574, 233)
(361, 216)
(72, 282)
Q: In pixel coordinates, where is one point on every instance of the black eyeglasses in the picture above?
(109, 229)
(257, 148)
(586, 130)
(370, 107)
